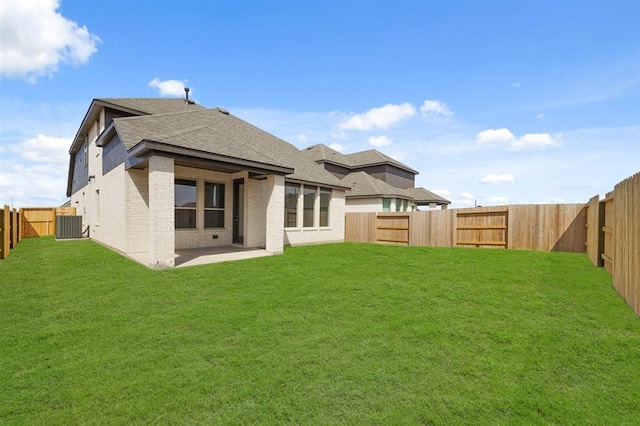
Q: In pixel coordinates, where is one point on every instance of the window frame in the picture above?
(287, 210)
(214, 208)
(194, 208)
(328, 207)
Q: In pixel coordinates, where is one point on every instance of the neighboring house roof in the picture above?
(363, 185)
(424, 196)
(215, 131)
(356, 160)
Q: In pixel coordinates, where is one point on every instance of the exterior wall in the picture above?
(201, 237)
(85, 198)
(363, 205)
(256, 202)
(373, 205)
(391, 175)
(336, 170)
(161, 213)
(110, 220)
(334, 232)
(136, 184)
(275, 214)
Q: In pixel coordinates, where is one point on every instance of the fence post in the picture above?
(3, 249)
(5, 233)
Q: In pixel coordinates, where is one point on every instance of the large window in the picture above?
(309, 203)
(291, 205)
(312, 202)
(185, 204)
(325, 200)
(213, 205)
(386, 204)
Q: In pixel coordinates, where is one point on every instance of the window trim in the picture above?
(182, 208)
(309, 190)
(205, 209)
(295, 210)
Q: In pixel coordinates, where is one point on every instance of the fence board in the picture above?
(626, 240)
(607, 230)
(528, 227)
(360, 227)
(393, 228)
(594, 211)
(4, 232)
(14, 228)
(482, 227)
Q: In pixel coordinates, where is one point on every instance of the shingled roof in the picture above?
(322, 153)
(363, 185)
(216, 131)
(151, 105)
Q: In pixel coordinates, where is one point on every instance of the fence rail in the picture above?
(28, 222)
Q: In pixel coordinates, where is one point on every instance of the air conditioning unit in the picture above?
(68, 227)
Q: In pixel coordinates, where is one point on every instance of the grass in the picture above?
(331, 334)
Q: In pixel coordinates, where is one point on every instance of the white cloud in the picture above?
(303, 138)
(36, 39)
(467, 195)
(517, 84)
(433, 109)
(498, 179)
(379, 118)
(44, 149)
(528, 141)
(540, 116)
(534, 140)
(494, 136)
(442, 192)
(169, 87)
(336, 146)
(379, 141)
(399, 156)
(35, 172)
(500, 200)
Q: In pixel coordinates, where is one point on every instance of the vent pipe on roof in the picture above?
(186, 97)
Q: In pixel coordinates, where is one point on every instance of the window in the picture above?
(309, 204)
(291, 205)
(185, 204)
(325, 200)
(386, 204)
(398, 204)
(213, 205)
(405, 205)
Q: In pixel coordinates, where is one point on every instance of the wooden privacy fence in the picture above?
(558, 227)
(613, 237)
(28, 222)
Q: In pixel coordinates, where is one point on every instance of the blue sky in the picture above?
(493, 102)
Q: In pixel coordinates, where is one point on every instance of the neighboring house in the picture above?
(376, 182)
(150, 176)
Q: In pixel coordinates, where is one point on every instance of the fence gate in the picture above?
(392, 228)
(483, 228)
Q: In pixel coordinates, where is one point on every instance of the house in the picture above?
(152, 176)
(376, 182)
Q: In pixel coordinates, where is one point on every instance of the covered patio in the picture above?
(207, 255)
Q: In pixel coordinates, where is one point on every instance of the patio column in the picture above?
(275, 214)
(161, 213)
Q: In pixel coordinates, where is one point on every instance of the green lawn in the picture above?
(331, 334)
